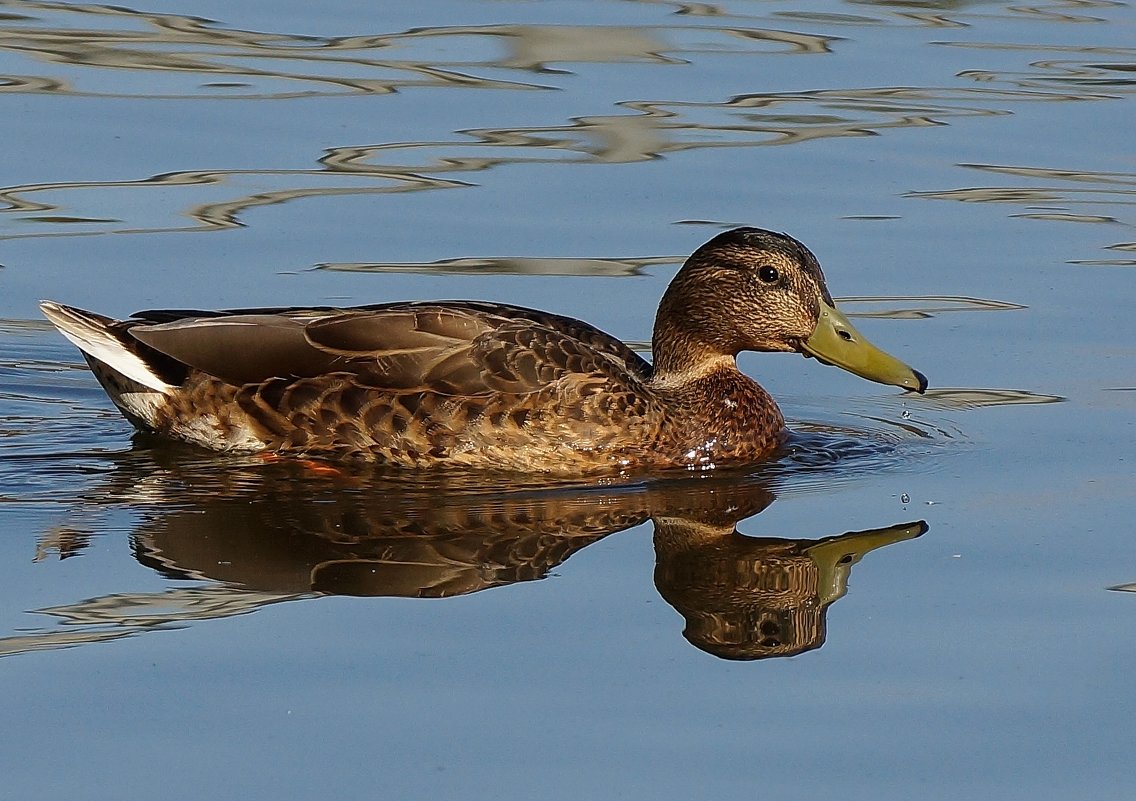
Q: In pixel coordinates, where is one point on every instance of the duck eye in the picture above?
(768, 274)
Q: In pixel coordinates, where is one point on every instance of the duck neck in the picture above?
(718, 415)
(686, 343)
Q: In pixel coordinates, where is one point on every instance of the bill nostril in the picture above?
(844, 335)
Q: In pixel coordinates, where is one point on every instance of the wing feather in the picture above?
(240, 349)
(460, 348)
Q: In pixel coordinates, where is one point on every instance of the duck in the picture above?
(488, 386)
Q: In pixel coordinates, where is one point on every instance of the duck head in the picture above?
(751, 289)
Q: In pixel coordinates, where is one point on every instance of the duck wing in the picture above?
(451, 348)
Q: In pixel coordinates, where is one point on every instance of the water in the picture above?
(178, 624)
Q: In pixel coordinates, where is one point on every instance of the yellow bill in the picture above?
(836, 342)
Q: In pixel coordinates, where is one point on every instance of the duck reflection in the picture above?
(742, 597)
(753, 598)
(381, 540)
(277, 532)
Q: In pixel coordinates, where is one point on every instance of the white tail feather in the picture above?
(89, 333)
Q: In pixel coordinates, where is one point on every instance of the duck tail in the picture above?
(128, 370)
(105, 343)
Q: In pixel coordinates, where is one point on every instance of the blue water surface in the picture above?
(181, 625)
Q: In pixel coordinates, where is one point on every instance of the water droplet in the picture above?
(906, 415)
(904, 498)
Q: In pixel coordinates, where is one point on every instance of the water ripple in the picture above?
(91, 48)
(1056, 195)
(187, 57)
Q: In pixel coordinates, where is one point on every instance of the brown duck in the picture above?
(484, 385)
